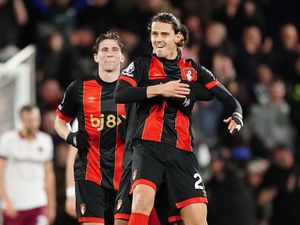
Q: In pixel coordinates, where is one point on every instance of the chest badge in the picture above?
(188, 74)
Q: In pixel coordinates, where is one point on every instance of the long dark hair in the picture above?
(177, 26)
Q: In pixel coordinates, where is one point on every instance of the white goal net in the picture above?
(17, 86)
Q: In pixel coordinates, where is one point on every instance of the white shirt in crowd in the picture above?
(24, 175)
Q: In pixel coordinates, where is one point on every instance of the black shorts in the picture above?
(94, 203)
(158, 164)
(124, 200)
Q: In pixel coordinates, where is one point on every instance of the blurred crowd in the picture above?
(253, 48)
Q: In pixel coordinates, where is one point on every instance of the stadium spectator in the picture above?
(27, 180)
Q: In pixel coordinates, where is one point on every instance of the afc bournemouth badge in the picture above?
(82, 208)
(119, 204)
(188, 74)
(134, 174)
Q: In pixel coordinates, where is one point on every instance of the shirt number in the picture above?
(198, 183)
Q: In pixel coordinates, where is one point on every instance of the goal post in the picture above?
(17, 86)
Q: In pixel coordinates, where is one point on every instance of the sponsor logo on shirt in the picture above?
(109, 121)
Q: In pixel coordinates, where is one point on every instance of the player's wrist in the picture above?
(238, 118)
(154, 90)
(70, 192)
(71, 139)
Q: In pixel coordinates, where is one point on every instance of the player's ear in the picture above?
(95, 57)
(178, 37)
(122, 58)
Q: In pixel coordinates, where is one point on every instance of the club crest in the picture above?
(189, 74)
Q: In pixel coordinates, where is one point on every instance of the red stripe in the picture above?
(190, 201)
(90, 219)
(119, 150)
(61, 116)
(154, 123)
(211, 84)
(122, 216)
(129, 80)
(156, 69)
(142, 181)
(153, 218)
(187, 70)
(173, 219)
(182, 124)
(92, 110)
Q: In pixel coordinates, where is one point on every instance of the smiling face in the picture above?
(164, 39)
(109, 55)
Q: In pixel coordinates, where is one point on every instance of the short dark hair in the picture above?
(177, 26)
(27, 108)
(108, 35)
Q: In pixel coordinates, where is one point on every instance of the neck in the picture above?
(28, 134)
(172, 56)
(108, 76)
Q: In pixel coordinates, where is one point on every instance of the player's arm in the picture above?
(50, 190)
(126, 93)
(198, 93)
(77, 139)
(129, 90)
(61, 127)
(235, 121)
(20, 12)
(6, 204)
(70, 205)
(66, 112)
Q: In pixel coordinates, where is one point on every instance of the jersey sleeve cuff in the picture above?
(211, 84)
(63, 117)
(129, 80)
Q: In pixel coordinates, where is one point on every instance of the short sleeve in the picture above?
(132, 74)
(50, 148)
(206, 77)
(4, 151)
(67, 109)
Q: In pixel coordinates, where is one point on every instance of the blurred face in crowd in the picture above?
(164, 39)
(215, 34)
(109, 55)
(2, 2)
(289, 37)
(277, 91)
(284, 158)
(252, 39)
(223, 67)
(31, 120)
(265, 74)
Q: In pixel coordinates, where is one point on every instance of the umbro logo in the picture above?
(91, 99)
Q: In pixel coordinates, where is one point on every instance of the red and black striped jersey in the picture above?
(157, 119)
(91, 101)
